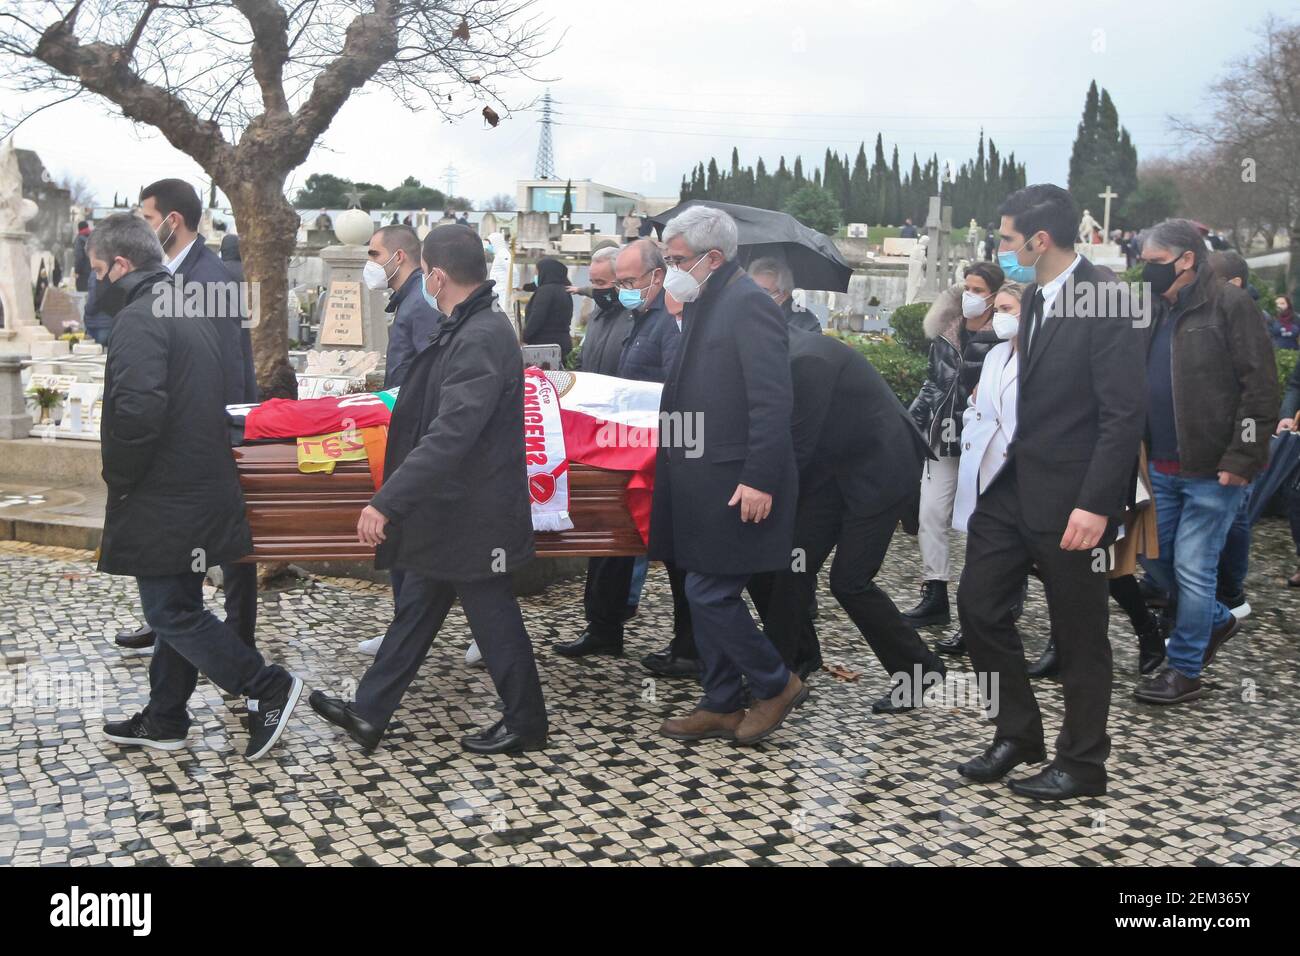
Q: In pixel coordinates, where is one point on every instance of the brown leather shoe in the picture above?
(701, 724)
(768, 715)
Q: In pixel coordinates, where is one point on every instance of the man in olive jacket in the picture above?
(453, 513)
(1212, 408)
(724, 496)
(174, 505)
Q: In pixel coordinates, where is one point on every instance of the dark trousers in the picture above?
(730, 644)
(999, 552)
(498, 626)
(609, 581)
(191, 640)
(683, 642)
(860, 543)
(240, 583)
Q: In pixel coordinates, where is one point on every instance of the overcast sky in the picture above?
(645, 90)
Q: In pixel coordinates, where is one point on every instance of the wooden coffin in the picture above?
(313, 517)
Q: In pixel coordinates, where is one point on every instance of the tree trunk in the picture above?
(268, 233)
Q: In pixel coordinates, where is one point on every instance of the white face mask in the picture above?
(973, 305)
(1006, 325)
(374, 275)
(681, 285)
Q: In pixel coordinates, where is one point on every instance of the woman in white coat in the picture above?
(989, 422)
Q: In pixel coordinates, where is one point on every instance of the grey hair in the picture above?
(1177, 236)
(704, 228)
(606, 254)
(128, 236)
(651, 256)
(772, 266)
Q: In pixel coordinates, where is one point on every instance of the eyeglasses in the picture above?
(632, 283)
(676, 261)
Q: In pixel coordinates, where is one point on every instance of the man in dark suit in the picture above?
(860, 458)
(172, 208)
(1057, 502)
(453, 512)
(174, 502)
(394, 263)
(641, 347)
(724, 502)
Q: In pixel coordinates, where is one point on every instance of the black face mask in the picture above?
(1160, 275)
(112, 297)
(605, 299)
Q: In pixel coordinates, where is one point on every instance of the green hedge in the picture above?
(900, 367)
(908, 325)
(1286, 360)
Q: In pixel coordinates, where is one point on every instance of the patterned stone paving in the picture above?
(1210, 782)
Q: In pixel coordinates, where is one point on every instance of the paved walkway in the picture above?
(1210, 782)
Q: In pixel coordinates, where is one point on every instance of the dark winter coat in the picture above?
(850, 428)
(202, 265)
(414, 322)
(955, 360)
(455, 483)
(732, 379)
(174, 503)
(602, 346)
(550, 310)
(1224, 375)
(651, 343)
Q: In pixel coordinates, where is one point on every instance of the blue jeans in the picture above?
(638, 580)
(1193, 516)
(1234, 564)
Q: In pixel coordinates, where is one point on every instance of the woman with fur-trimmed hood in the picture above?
(959, 328)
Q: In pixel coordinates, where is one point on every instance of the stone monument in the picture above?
(353, 318)
(21, 330)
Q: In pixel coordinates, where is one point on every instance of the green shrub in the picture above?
(902, 368)
(908, 324)
(1286, 361)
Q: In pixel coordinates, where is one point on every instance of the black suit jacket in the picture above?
(203, 265)
(850, 428)
(732, 379)
(1082, 404)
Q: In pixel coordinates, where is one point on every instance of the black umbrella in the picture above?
(812, 257)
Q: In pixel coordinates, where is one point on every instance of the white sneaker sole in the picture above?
(294, 693)
(473, 656)
(1241, 612)
(151, 744)
(371, 646)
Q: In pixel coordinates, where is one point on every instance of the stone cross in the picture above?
(1105, 216)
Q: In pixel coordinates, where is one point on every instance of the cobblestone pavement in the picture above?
(1209, 782)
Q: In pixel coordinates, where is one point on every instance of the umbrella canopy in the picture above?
(812, 257)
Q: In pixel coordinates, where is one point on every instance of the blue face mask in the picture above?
(431, 299)
(631, 298)
(1012, 268)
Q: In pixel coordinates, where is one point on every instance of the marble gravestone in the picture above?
(354, 330)
(21, 333)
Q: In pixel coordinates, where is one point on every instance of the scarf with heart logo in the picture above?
(548, 465)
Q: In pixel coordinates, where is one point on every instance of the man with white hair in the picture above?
(775, 278)
(724, 503)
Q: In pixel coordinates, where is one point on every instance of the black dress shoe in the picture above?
(1053, 783)
(1168, 687)
(339, 713)
(1000, 759)
(499, 739)
(588, 643)
(1151, 646)
(136, 640)
(954, 645)
(807, 668)
(1219, 638)
(932, 608)
(1049, 664)
(667, 664)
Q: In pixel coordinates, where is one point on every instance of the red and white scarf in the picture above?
(548, 466)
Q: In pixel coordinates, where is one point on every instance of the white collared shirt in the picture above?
(174, 263)
(1053, 289)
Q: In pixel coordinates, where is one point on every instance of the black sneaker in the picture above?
(267, 718)
(136, 732)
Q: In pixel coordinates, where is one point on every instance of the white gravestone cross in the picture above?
(1108, 195)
